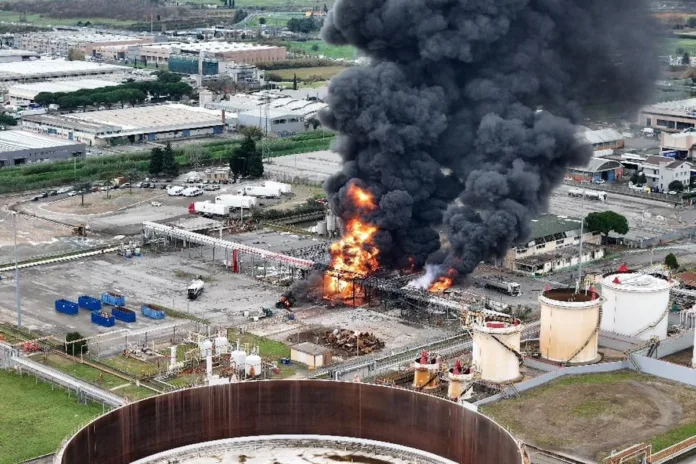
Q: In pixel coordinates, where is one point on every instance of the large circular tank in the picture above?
(291, 407)
(496, 351)
(321, 228)
(569, 325)
(636, 305)
(252, 366)
(330, 222)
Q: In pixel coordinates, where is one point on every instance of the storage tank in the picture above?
(330, 222)
(222, 345)
(570, 323)
(496, 350)
(460, 381)
(206, 348)
(252, 365)
(426, 371)
(238, 357)
(636, 305)
(321, 227)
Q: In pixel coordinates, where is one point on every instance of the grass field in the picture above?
(14, 16)
(591, 415)
(269, 349)
(320, 72)
(323, 49)
(130, 365)
(34, 419)
(284, 5)
(274, 19)
(134, 393)
(81, 371)
(673, 44)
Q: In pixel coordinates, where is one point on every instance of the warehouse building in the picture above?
(553, 246)
(603, 139)
(237, 52)
(22, 95)
(9, 55)
(59, 43)
(681, 145)
(130, 125)
(597, 170)
(42, 70)
(19, 147)
(673, 116)
(310, 354)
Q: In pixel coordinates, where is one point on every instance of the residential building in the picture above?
(673, 116)
(19, 147)
(130, 125)
(661, 171)
(554, 246)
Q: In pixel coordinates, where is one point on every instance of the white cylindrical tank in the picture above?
(252, 365)
(570, 321)
(321, 228)
(636, 305)
(222, 345)
(330, 222)
(496, 351)
(460, 380)
(238, 357)
(206, 348)
(172, 357)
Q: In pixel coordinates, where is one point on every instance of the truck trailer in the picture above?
(284, 188)
(207, 208)
(195, 289)
(511, 288)
(260, 191)
(237, 201)
(589, 194)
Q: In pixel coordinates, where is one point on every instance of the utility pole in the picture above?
(582, 232)
(19, 306)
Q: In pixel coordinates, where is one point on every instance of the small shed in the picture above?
(310, 354)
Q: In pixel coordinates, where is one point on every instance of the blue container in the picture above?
(152, 313)
(123, 314)
(66, 307)
(113, 299)
(89, 302)
(103, 319)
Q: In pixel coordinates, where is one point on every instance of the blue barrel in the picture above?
(66, 307)
(123, 314)
(113, 299)
(152, 313)
(88, 302)
(103, 319)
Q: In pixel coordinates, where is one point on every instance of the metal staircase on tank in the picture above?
(654, 324)
(519, 356)
(589, 339)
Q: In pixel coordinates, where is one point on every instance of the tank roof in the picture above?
(635, 282)
(568, 295)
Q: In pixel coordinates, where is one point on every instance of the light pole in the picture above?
(582, 232)
(19, 307)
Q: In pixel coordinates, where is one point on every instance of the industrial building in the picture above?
(236, 51)
(19, 147)
(10, 55)
(22, 95)
(598, 169)
(672, 116)
(310, 354)
(59, 43)
(130, 125)
(680, 145)
(553, 246)
(42, 70)
(603, 139)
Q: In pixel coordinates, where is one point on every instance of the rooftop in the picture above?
(14, 140)
(87, 36)
(14, 52)
(209, 47)
(30, 90)
(48, 68)
(548, 225)
(601, 136)
(310, 348)
(635, 282)
(598, 165)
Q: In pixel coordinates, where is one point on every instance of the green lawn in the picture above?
(320, 72)
(274, 19)
(34, 419)
(672, 44)
(81, 371)
(284, 5)
(14, 16)
(134, 393)
(673, 437)
(184, 381)
(321, 48)
(130, 365)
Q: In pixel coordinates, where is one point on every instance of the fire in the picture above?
(443, 283)
(355, 255)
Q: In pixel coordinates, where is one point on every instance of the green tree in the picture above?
(691, 22)
(606, 222)
(642, 180)
(78, 347)
(255, 165)
(671, 261)
(262, 21)
(75, 55)
(294, 81)
(686, 59)
(156, 160)
(634, 178)
(251, 132)
(169, 164)
(7, 120)
(237, 165)
(676, 186)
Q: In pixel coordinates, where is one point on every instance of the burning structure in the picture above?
(464, 120)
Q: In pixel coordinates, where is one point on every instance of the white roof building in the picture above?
(22, 94)
(21, 147)
(39, 70)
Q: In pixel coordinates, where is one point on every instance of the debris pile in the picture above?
(352, 342)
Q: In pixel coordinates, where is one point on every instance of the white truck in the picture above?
(207, 208)
(195, 289)
(589, 194)
(511, 288)
(260, 191)
(237, 201)
(192, 192)
(284, 188)
(175, 191)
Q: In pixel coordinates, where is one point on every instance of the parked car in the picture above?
(167, 180)
(72, 193)
(156, 203)
(126, 185)
(672, 192)
(53, 193)
(44, 194)
(599, 181)
(36, 198)
(164, 186)
(139, 185)
(64, 190)
(152, 185)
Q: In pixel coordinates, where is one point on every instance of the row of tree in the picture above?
(304, 25)
(163, 161)
(167, 85)
(246, 160)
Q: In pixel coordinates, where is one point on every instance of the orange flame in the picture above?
(443, 283)
(355, 254)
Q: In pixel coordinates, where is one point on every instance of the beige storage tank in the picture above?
(460, 381)
(496, 351)
(426, 371)
(570, 325)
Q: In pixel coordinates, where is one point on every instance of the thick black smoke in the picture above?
(466, 114)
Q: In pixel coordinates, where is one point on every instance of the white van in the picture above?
(175, 191)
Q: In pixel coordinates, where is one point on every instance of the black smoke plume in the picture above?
(465, 116)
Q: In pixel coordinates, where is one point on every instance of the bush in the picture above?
(294, 64)
(671, 261)
(76, 348)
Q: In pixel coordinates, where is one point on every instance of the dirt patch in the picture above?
(682, 357)
(99, 202)
(591, 415)
(301, 193)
